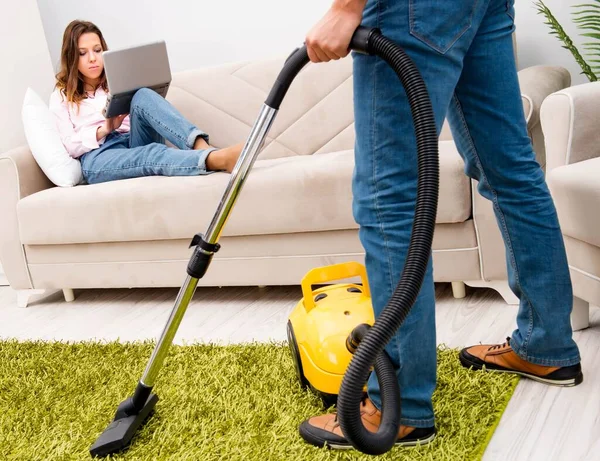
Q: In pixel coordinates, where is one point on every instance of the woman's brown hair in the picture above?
(68, 79)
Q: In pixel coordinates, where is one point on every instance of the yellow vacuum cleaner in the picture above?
(319, 325)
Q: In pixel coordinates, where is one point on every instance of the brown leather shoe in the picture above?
(501, 357)
(325, 430)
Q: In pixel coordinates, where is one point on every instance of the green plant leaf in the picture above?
(585, 21)
(592, 28)
(581, 12)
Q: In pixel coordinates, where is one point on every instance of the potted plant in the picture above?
(587, 18)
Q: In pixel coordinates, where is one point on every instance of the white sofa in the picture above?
(571, 122)
(293, 214)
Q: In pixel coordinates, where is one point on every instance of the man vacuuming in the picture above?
(464, 52)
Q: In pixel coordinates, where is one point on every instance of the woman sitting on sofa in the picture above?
(129, 145)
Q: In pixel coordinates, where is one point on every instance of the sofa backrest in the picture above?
(316, 115)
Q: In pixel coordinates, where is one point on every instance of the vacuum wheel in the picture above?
(296, 355)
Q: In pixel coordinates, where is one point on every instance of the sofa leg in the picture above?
(580, 316)
(459, 290)
(501, 286)
(69, 295)
(25, 296)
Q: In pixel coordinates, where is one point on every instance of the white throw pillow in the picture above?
(45, 143)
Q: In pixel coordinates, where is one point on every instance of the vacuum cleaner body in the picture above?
(320, 323)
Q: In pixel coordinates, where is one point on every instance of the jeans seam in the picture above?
(502, 221)
(374, 175)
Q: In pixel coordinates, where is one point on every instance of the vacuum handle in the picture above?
(299, 58)
(330, 273)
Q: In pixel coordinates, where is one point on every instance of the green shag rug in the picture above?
(216, 403)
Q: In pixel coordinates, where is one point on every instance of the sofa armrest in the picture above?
(29, 176)
(20, 176)
(570, 119)
(537, 83)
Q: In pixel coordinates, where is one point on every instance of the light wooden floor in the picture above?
(541, 422)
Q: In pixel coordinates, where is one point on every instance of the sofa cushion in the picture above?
(282, 195)
(45, 143)
(576, 192)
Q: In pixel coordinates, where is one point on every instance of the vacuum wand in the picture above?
(133, 411)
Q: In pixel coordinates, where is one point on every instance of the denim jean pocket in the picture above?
(439, 25)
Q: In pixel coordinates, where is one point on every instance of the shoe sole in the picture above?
(571, 382)
(407, 443)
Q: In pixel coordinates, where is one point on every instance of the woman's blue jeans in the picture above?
(465, 54)
(142, 151)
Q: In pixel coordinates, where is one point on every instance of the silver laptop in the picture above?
(129, 69)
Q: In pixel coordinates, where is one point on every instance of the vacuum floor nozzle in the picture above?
(117, 436)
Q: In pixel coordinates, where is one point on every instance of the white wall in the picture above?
(198, 32)
(201, 32)
(25, 61)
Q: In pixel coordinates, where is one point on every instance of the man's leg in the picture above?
(385, 181)
(489, 127)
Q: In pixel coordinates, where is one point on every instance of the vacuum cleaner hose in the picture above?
(371, 347)
(368, 344)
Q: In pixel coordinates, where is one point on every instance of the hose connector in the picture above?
(356, 336)
(361, 40)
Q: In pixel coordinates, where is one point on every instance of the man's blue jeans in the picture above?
(142, 151)
(465, 54)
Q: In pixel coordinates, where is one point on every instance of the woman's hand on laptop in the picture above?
(110, 125)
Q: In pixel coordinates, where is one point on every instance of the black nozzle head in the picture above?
(356, 336)
(117, 436)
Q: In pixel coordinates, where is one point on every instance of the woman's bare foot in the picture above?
(224, 159)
